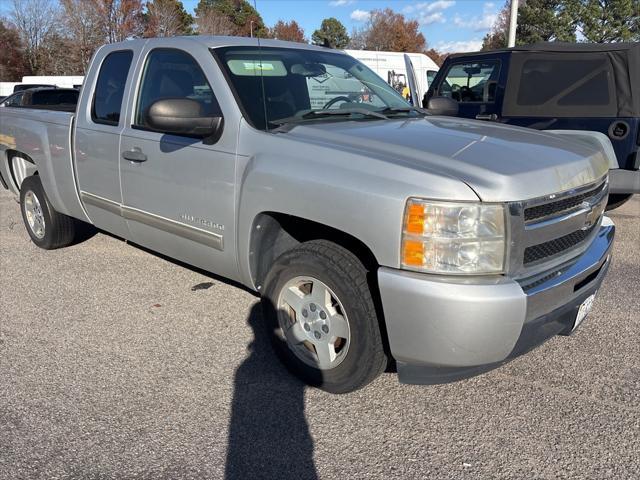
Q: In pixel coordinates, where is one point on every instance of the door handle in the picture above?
(134, 155)
(487, 116)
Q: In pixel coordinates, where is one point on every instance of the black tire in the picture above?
(617, 200)
(59, 229)
(345, 275)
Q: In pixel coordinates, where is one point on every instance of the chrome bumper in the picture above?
(624, 181)
(443, 329)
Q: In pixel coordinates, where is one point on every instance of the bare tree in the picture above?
(213, 23)
(84, 28)
(122, 19)
(167, 18)
(35, 20)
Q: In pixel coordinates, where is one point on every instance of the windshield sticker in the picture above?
(251, 68)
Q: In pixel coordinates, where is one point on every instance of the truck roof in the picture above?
(210, 41)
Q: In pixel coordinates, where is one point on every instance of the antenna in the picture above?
(264, 92)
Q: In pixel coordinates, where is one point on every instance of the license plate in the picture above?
(584, 310)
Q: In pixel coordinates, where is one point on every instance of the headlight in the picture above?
(453, 238)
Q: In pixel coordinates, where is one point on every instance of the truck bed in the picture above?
(45, 137)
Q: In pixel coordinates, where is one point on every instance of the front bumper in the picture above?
(624, 181)
(443, 329)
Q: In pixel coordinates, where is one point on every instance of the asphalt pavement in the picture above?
(116, 363)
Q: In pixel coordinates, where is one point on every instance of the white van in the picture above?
(391, 67)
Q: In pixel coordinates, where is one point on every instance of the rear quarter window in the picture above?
(568, 85)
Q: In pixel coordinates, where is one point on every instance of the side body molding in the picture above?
(209, 239)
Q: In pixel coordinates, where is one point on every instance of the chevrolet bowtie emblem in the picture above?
(592, 215)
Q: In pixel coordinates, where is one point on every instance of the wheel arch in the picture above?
(10, 180)
(273, 233)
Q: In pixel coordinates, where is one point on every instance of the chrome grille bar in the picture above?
(558, 228)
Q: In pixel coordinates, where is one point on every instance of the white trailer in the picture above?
(391, 67)
(6, 88)
(62, 81)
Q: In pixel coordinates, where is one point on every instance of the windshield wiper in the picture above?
(393, 110)
(343, 112)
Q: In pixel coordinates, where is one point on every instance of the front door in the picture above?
(473, 84)
(178, 192)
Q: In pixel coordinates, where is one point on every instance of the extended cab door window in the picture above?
(112, 80)
(171, 73)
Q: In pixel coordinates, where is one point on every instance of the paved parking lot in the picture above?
(117, 363)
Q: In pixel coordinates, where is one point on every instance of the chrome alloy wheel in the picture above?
(313, 322)
(33, 212)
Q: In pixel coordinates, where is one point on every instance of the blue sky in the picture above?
(448, 25)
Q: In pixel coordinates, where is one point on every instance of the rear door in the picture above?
(178, 193)
(97, 139)
(475, 85)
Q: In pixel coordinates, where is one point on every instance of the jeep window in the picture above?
(299, 82)
(565, 81)
(472, 82)
(547, 84)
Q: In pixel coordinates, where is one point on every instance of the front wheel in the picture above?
(322, 318)
(47, 228)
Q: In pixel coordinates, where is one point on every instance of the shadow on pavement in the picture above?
(268, 437)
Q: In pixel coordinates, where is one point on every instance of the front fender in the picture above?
(360, 196)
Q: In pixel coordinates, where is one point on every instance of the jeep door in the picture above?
(475, 84)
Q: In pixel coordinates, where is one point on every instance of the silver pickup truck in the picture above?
(376, 235)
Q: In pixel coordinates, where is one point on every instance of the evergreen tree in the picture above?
(545, 21)
(610, 20)
(331, 33)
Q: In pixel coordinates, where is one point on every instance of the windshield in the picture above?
(302, 85)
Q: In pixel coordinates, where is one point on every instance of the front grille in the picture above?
(554, 247)
(548, 209)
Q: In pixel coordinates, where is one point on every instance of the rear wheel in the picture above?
(47, 228)
(322, 318)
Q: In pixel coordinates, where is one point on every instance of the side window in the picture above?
(112, 80)
(431, 76)
(471, 82)
(567, 82)
(16, 101)
(171, 73)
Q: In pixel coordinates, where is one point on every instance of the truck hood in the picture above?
(499, 162)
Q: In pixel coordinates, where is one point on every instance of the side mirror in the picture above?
(442, 106)
(182, 116)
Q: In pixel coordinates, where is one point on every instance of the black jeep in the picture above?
(553, 86)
